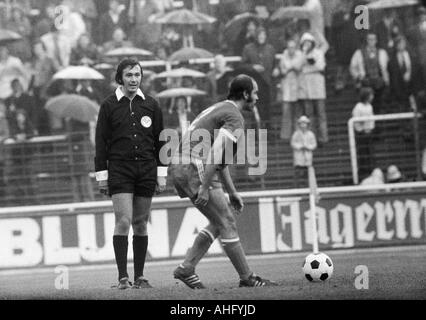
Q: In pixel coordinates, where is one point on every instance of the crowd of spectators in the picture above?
(388, 58)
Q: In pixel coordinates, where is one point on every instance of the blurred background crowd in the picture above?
(303, 53)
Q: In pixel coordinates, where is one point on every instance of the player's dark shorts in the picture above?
(137, 177)
(187, 179)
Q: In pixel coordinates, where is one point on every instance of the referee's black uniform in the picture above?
(128, 144)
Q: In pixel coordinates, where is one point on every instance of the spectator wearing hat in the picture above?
(394, 175)
(312, 88)
(364, 132)
(303, 143)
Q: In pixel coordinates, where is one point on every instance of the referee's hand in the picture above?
(103, 187)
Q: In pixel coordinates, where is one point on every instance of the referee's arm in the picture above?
(102, 138)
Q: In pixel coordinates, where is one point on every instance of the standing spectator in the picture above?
(20, 100)
(118, 41)
(345, 40)
(303, 143)
(304, 26)
(128, 166)
(10, 68)
(387, 30)
(21, 25)
(400, 75)
(312, 88)
(87, 10)
(246, 36)
(58, 47)
(217, 84)
(260, 55)
(290, 67)
(417, 39)
(369, 68)
(85, 53)
(145, 33)
(110, 21)
(72, 25)
(364, 132)
(44, 24)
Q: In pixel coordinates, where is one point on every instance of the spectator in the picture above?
(304, 26)
(20, 126)
(179, 116)
(246, 36)
(312, 88)
(217, 87)
(260, 55)
(58, 47)
(376, 178)
(21, 25)
(118, 41)
(364, 132)
(400, 74)
(303, 143)
(114, 19)
(417, 39)
(387, 30)
(86, 89)
(394, 175)
(85, 53)
(20, 100)
(10, 68)
(345, 40)
(145, 33)
(369, 68)
(72, 26)
(88, 11)
(44, 25)
(290, 67)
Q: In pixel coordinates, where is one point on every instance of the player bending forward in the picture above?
(202, 180)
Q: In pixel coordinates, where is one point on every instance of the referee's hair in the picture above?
(240, 84)
(128, 62)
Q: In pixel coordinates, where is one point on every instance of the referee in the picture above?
(128, 167)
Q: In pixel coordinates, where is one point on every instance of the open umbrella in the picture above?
(128, 52)
(181, 72)
(73, 106)
(7, 36)
(390, 4)
(189, 53)
(293, 12)
(236, 24)
(78, 73)
(185, 17)
(180, 92)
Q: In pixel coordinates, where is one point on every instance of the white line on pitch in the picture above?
(332, 252)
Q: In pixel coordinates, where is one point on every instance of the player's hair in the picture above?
(128, 62)
(240, 84)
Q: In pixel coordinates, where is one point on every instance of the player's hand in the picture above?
(161, 184)
(236, 202)
(103, 187)
(203, 197)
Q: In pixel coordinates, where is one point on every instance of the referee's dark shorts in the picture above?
(136, 177)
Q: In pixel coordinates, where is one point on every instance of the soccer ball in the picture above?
(318, 267)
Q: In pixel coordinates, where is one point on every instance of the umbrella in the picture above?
(7, 36)
(181, 72)
(293, 12)
(103, 66)
(73, 106)
(186, 54)
(236, 24)
(180, 92)
(128, 52)
(389, 4)
(78, 73)
(185, 17)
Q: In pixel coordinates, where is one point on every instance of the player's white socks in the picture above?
(234, 250)
(201, 245)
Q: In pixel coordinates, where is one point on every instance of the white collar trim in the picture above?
(119, 93)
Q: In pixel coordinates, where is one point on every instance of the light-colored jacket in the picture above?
(357, 67)
(303, 144)
(312, 79)
(290, 69)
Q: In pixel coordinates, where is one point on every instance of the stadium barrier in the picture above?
(273, 222)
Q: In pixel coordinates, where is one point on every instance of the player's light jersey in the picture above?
(224, 118)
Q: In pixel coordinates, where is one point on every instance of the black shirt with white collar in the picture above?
(128, 130)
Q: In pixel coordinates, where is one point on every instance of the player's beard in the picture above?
(249, 105)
